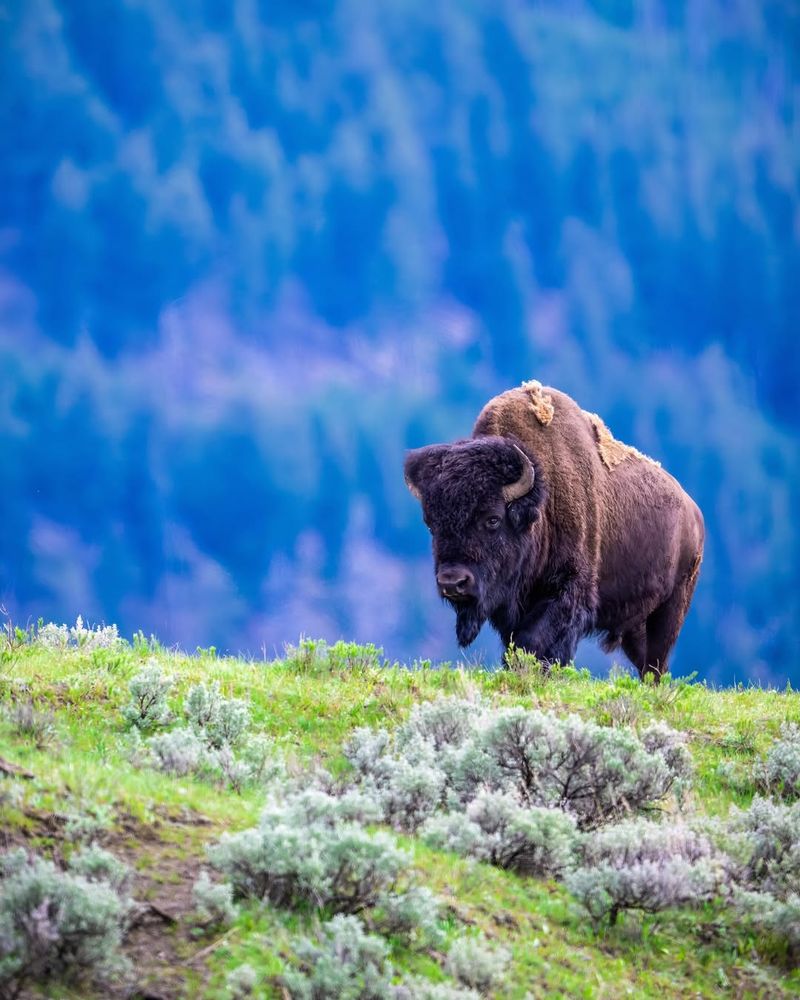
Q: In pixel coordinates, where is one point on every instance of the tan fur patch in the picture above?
(692, 577)
(612, 452)
(541, 402)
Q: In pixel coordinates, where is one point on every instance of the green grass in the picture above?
(161, 824)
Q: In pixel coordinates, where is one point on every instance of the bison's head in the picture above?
(479, 499)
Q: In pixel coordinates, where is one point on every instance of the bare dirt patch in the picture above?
(166, 857)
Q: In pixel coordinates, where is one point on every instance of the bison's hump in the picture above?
(518, 412)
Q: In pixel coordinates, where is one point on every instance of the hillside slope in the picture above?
(73, 770)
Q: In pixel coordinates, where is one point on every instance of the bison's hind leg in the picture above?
(665, 623)
(634, 646)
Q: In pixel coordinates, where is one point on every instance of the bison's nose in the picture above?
(455, 581)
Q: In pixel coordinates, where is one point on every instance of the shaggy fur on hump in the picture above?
(612, 452)
(541, 401)
(606, 542)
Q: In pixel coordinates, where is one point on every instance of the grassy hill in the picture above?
(72, 770)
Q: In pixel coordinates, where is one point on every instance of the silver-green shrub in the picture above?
(241, 982)
(431, 733)
(78, 636)
(233, 771)
(215, 745)
(474, 963)
(218, 720)
(775, 918)
(56, 925)
(596, 773)
(735, 775)
(231, 724)
(768, 842)
(368, 751)
(645, 840)
(343, 963)
(533, 841)
(409, 786)
(641, 865)
(85, 821)
(263, 761)
(455, 831)
(412, 793)
(450, 751)
(765, 840)
(98, 865)
(779, 772)
(319, 805)
(201, 705)
(413, 916)
(148, 707)
(471, 770)
(179, 752)
(670, 744)
(53, 636)
(304, 851)
(445, 722)
(214, 905)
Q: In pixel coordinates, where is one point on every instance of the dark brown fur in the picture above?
(605, 542)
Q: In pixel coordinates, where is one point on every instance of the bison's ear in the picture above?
(522, 513)
(422, 465)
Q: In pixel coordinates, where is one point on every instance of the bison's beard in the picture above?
(469, 619)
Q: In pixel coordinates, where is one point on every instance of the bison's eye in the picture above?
(492, 523)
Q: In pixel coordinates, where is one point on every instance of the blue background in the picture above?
(250, 252)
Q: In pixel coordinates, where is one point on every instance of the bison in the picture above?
(549, 528)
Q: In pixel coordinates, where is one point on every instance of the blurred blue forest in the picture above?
(251, 251)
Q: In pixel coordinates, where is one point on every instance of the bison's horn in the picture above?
(523, 485)
(413, 489)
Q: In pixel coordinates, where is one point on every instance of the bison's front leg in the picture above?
(553, 629)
